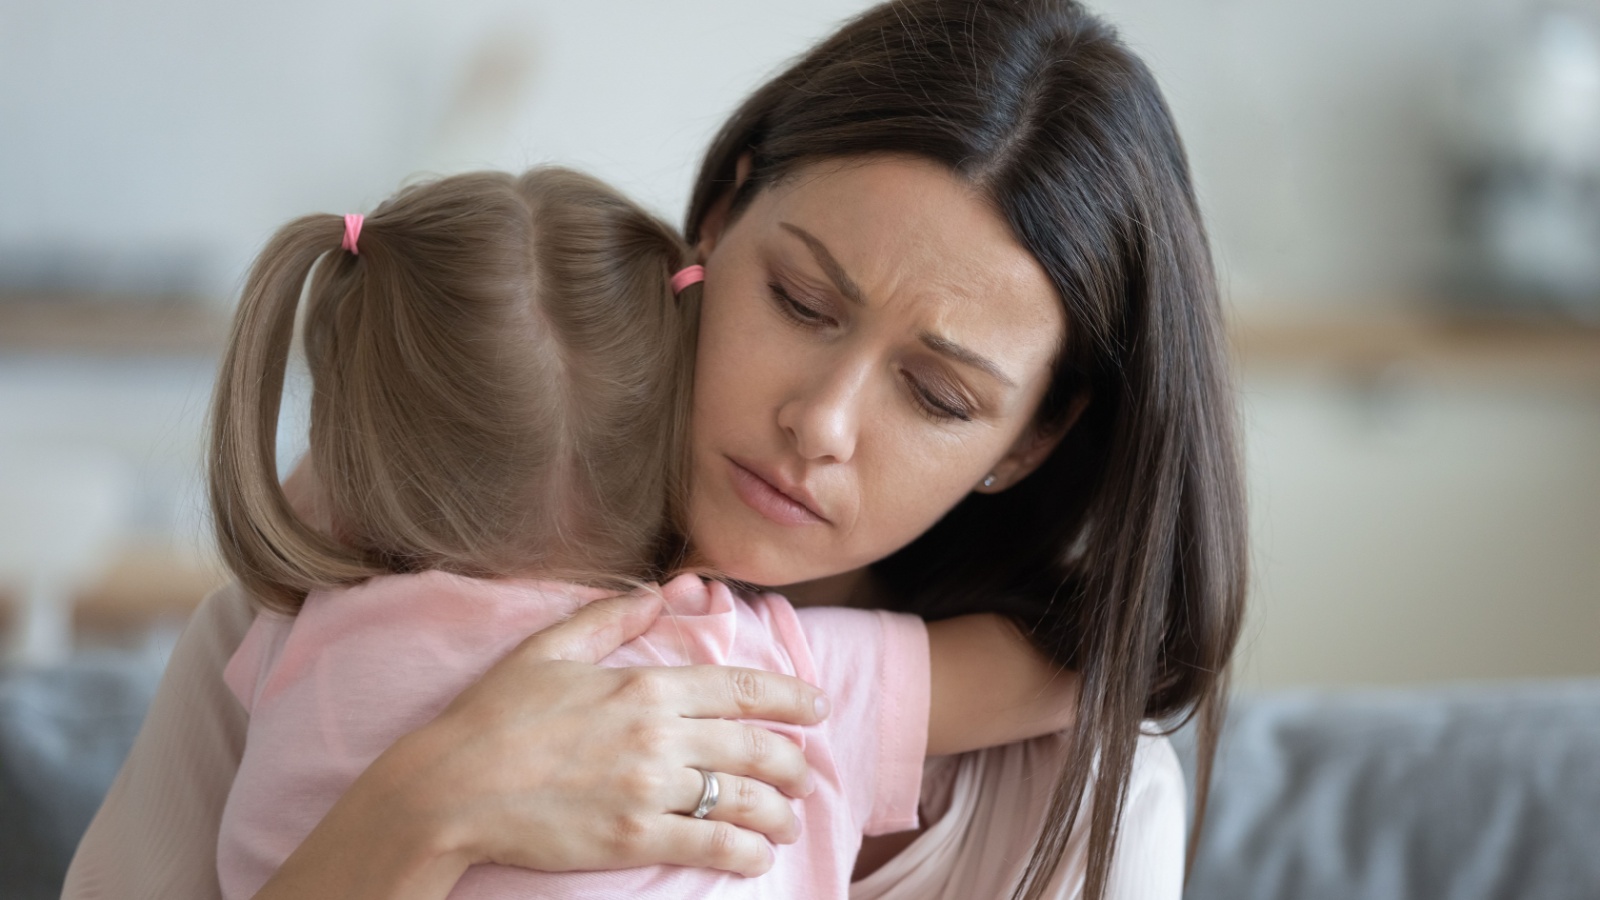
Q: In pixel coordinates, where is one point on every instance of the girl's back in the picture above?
(332, 688)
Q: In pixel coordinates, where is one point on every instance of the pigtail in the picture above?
(682, 331)
(665, 255)
(500, 385)
(273, 552)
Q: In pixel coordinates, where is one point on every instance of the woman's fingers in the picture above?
(625, 739)
(729, 692)
(746, 803)
(597, 629)
(709, 844)
(750, 750)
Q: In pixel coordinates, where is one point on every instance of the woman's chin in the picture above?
(760, 572)
(756, 562)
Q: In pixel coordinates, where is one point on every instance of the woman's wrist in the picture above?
(384, 838)
(400, 791)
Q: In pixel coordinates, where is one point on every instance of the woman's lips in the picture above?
(763, 497)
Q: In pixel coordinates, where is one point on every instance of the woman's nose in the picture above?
(823, 418)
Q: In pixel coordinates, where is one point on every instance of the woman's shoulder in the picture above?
(219, 623)
(174, 782)
(1156, 766)
(1158, 797)
(1156, 783)
(1149, 859)
(1155, 773)
(985, 810)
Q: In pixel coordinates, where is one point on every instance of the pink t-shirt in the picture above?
(329, 690)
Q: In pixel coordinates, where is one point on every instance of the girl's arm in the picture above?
(991, 686)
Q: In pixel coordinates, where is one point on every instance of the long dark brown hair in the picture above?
(500, 384)
(1124, 555)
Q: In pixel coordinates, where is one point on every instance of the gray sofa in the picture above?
(1465, 793)
(63, 734)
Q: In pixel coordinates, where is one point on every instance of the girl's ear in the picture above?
(1031, 450)
(716, 218)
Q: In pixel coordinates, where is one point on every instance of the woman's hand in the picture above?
(600, 763)
(550, 762)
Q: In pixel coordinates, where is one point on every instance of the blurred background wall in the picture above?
(1423, 427)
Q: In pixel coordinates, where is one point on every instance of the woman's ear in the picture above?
(716, 218)
(1032, 449)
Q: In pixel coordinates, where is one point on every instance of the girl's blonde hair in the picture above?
(500, 385)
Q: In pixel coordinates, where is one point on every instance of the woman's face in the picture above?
(874, 343)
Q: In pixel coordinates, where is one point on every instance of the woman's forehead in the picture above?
(908, 231)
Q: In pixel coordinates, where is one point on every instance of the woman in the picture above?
(975, 213)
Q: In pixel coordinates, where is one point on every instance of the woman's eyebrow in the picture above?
(852, 292)
(836, 273)
(953, 350)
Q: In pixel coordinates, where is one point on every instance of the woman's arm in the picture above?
(156, 833)
(990, 686)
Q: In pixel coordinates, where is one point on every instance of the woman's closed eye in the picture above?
(938, 403)
(799, 312)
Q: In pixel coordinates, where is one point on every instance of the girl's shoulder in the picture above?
(427, 620)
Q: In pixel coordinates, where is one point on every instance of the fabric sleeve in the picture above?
(155, 834)
(244, 671)
(875, 668)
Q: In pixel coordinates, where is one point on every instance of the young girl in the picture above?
(501, 374)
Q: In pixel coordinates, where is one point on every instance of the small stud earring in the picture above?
(989, 481)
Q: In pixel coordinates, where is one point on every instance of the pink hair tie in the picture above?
(352, 232)
(687, 276)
